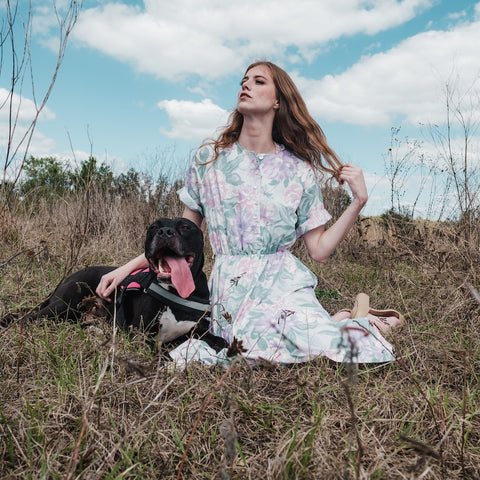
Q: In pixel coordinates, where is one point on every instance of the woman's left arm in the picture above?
(321, 243)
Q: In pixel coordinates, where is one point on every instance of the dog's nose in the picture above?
(166, 232)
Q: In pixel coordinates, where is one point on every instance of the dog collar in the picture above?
(193, 303)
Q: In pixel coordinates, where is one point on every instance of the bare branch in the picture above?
(19, 56)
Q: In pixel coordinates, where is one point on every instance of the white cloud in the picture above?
(193, 121)
(154, 44)
(407, 81)
(24, 109)
(15, 128)
(49, 19)
(213, 38)
(43, 20)
(40, 146)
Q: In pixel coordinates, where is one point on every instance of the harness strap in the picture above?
(145, 280)
(192, 303)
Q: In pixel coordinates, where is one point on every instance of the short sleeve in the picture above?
(311, 212)
(191, 193)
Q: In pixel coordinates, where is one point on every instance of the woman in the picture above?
(257, 188)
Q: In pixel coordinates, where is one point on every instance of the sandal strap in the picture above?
(361, 306)
(387, 313)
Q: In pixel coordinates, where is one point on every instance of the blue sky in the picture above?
(144, 82)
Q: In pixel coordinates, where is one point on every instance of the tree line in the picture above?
(48, 179)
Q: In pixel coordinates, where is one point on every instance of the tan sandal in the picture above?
(384, 320)
(359, 310)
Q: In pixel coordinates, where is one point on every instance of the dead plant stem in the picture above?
(201, 413)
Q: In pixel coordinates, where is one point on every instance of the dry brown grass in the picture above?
(91, 403)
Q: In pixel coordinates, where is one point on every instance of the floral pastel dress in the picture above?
(256, 207)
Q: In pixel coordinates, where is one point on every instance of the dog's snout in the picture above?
(166, 232)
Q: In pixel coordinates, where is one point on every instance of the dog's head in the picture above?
(174, 250)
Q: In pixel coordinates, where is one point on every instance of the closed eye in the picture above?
(259, 79)
(184, 227)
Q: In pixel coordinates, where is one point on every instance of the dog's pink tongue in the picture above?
(181, 276)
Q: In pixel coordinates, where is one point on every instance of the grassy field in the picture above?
(88, 402)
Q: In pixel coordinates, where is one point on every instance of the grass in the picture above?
(89, 402)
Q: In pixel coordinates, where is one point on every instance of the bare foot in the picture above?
(341, 315)
(385, 324)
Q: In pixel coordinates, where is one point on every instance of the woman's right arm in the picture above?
(321, 243)
(111, 280)
(193, 215)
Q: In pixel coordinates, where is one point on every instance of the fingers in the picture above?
(349, 172)
(106, 287)
(353, 176)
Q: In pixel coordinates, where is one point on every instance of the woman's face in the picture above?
(257, 94)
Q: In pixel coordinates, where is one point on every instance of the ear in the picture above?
(276, 105)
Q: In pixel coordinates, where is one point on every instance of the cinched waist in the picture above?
(242, 254)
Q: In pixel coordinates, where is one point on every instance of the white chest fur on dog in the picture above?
(171, 328)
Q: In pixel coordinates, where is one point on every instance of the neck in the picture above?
(256, 136)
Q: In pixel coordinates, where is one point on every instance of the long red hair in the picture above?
(293, 126)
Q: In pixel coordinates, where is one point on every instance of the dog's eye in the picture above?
(184, 227)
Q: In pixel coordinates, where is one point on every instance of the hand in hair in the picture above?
(353, 176)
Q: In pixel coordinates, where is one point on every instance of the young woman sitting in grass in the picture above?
(258, 188)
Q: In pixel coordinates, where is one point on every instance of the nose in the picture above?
(166, 232)
(246, 85)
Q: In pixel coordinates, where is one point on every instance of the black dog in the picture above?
(170, 298)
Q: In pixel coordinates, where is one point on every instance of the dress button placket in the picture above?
(258, 192)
